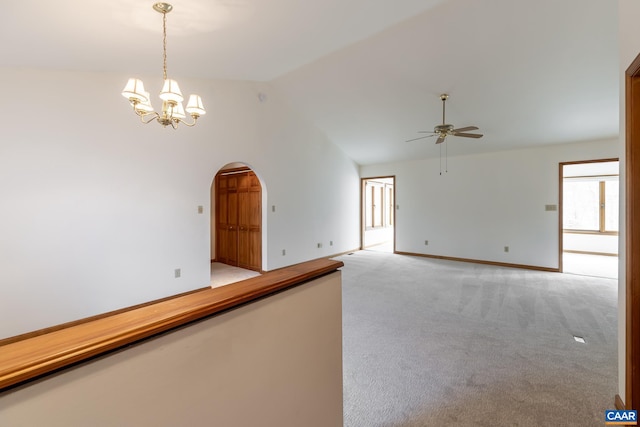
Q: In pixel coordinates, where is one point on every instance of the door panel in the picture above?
(239, 220)
(243, 233)
(222, 219)
(254, 228)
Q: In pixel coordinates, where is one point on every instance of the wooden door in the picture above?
(227, 219)
(239, 219)
(249, 222)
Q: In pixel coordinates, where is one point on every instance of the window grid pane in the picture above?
(582, 205)
(611, 207)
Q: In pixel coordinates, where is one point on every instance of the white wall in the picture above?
(98, 209)
(485, 202)
(272, 363)
(629, 39)
(598, 243)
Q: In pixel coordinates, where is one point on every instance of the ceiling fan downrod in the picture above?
(443, 97)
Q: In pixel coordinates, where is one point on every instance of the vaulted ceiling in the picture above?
(368, 73)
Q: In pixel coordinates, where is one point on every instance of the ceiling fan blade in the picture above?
(422, 137)
(468, 135)
(464, 129)
(440, 140)
(426, 131)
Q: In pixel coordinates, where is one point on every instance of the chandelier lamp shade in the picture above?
(172, 112)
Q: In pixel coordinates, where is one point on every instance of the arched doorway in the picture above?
(237, 221)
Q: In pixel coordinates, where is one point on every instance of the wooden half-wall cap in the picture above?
(38, 355)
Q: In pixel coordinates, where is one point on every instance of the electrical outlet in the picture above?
(426, 242)
(177, 273)
(319, 245)
(506, 248)
(200, 209)
(330, 242)
(273, 208)
(284, 252)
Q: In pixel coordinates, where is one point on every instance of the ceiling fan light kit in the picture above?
(173, 113)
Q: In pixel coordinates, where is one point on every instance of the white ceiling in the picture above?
(368, 73)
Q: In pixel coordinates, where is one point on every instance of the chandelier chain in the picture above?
(164, 45)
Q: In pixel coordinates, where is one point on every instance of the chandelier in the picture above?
(173, 113)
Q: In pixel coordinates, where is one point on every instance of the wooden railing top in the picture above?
(41, 354)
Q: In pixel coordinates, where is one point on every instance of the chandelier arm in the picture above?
(153, 115)
(195, 119)
(143, 116)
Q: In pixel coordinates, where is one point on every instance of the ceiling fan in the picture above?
(445, 129)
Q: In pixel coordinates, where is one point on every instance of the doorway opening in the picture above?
(589, 217)
(378, 218)
(236, 224)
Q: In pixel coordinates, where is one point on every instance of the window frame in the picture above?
(602, 196)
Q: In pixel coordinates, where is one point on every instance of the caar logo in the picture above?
(621, 418)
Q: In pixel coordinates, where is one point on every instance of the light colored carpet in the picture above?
(442, 343)
(590, 265)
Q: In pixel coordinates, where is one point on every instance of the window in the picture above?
(378, 203)
(591, 204)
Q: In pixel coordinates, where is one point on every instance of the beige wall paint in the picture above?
(96, 215)
(504, 192)
(276, 362)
